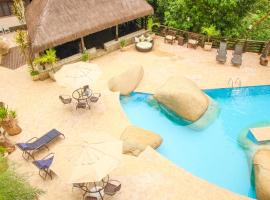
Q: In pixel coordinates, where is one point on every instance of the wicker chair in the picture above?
(112, 187)
(193, 40)
(65, 99)
(82, 105)
(170, 36)
(94, 98)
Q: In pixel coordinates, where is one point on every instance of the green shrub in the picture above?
(123, 43)
(33, 72)
(210, 31)
(6, 113)
(15, 187)
(2, 151)
(3, 113)
(49, 57)
(3, 166)
(85, 56)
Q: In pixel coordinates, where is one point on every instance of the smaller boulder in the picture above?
(126, 82)
(135, 140)
(261, 162)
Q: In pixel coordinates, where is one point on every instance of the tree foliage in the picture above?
(14, 187)
(231, 17)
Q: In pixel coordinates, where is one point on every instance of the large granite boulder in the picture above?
(183, 97)
(126, 82)
(261, 162)
(135, 140)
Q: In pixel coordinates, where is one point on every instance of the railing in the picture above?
(249, 45)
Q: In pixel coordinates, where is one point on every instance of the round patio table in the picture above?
(81, 95)
(95, 189)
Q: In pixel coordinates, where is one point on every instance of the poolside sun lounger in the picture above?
(237, 55)
(44, 166)
(222, 52)
(34, 144)
(112, 187)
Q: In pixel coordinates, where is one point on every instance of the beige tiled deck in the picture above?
(150, 176)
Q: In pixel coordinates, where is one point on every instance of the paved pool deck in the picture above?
(150, 176)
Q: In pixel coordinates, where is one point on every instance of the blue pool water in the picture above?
(215, 153)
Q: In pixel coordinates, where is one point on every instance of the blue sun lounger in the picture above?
(34, 144)
(44, 165)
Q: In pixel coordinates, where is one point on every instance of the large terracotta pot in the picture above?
(11, 127)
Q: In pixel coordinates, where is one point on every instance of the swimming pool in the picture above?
(215, 153)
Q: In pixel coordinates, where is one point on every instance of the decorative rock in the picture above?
(135, 140)
(183, 97)
(127, 82)
(261, 162)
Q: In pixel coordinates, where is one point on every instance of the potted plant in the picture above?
(122, 43)
(8, 120)
(47, 60)
(34, 74)
(210, 32)
(85, 56)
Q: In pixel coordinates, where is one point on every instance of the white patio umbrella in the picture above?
(77, 74)
(87, 159)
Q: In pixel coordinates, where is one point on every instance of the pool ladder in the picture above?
(235, 85)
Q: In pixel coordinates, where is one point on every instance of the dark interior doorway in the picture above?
(68, 49)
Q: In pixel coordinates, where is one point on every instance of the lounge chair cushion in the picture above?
(45, 139)
(191, 41)
(170, 37)
(43, 164)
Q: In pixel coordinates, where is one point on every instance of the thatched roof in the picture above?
(54, 22)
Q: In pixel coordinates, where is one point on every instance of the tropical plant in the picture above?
(18, 10)
(3, 113)
(49, 57)
(6, 114)
(210, 31)
(151, 23)
(21, 40)
(123, 43)
(85, 56)
(15, 187)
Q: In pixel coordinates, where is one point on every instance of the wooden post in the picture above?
(116, 32)
(82, 45)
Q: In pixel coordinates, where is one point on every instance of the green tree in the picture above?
(18, 10)
(230, 17)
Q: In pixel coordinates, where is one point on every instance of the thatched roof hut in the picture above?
(51, 23)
